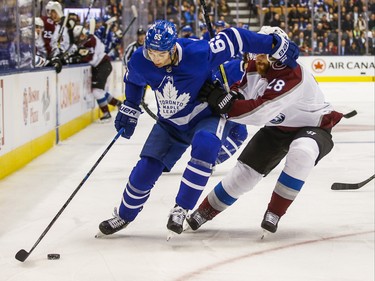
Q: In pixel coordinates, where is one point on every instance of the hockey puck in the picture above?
(53, 256)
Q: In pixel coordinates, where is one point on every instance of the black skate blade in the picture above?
(100, 235)
(186, 226)
(170, 235)
(21, 255)
(265, 234)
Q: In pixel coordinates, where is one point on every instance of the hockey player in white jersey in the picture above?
(298, 123)
(176, 69)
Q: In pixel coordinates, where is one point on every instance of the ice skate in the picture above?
(105, 118)
(195, 220)
(269, 223)
(112, 225)
(176, 220)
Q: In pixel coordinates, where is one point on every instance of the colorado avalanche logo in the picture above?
(277, 65)
(169, 101)
(278, 119)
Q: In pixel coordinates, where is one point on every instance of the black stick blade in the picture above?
(350, 114)
(22, 255)
(349, 186)
(345, 186)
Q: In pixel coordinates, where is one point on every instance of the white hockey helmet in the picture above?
(78, 30)
(54, 6)
(39, 22)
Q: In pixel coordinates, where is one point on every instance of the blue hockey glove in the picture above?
(285, 51)
(127, 118)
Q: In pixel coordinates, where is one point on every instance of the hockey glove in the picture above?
(57, 64)
(83, 52)
(217, 98)
(127, 118)
(285, 51)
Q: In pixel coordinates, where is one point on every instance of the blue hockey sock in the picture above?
(193, 182)
(132, 202)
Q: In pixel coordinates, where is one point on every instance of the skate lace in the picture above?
(178, 214)
(272, 218)
(116, 221)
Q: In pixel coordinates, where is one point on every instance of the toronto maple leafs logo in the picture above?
(169, 101)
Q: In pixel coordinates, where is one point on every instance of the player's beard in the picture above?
(262, 67)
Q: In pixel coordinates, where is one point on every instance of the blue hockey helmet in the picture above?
(161, 36)
(220, 23)
(202, 26)
(187, 28)
(105, 18)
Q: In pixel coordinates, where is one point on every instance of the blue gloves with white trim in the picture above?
(285, 51)
(127, 118)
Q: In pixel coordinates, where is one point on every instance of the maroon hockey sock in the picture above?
(104, 109)
(114, 102)
(278, 205)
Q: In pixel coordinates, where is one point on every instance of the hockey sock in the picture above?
(194, 180)
(300, 160)
(286, 190)
(137, 191)
(278, 205)
(132, 202)
(112, 100)
(100, 97)
(104, 108)
(219, 199)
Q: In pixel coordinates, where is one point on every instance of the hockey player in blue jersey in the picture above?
(176, 70)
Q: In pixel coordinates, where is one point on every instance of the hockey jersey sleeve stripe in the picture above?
(186, 119)
(230, 45)
(239, 39)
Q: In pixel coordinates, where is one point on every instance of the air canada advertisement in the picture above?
(340, 65)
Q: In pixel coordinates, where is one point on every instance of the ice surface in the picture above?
(326, 235)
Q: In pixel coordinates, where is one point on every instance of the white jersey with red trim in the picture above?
(96, 51)
(284, 97)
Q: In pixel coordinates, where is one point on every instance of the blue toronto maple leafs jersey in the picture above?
(176, 87)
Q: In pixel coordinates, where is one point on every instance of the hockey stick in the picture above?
(212, 35)
(61, 31)
(350, 186)
(350, 114)
(148, 110)
(22, 254)
(135, 16)
(83, 25)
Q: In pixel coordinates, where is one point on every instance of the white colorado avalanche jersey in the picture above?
(283, 97)
(176, 87)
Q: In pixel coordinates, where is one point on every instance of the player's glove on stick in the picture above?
(285, 51)
(127, 118)
(217, 98)
(57, 64)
